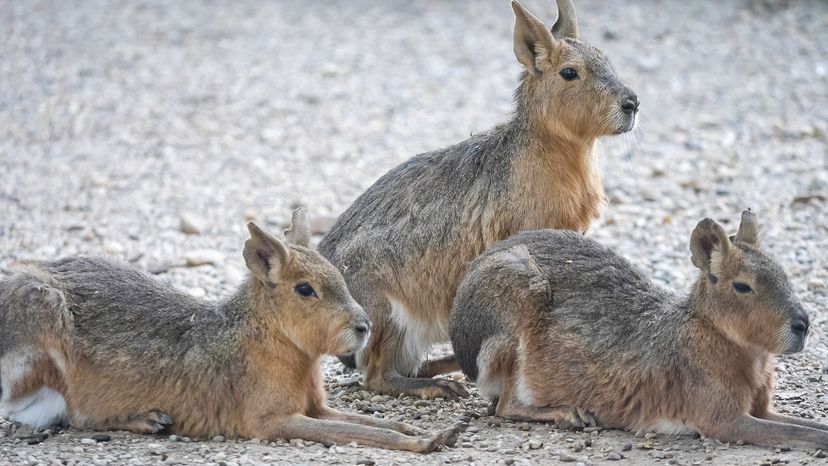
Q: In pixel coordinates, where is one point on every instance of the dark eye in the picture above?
(306, 291)
(569, 74)
(742, 287)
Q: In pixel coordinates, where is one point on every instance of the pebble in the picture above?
(218, 438)
(191, 225)
(203, 257)
(101, 437)
(566, 458)
(614, 456)
(817, 284)
(88, 441)
(23, 431)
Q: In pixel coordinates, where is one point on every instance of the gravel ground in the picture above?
(119, 122)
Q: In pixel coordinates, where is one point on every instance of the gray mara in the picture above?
(555, 327)
(404, 244)
(106, 347)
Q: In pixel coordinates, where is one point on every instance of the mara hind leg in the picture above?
(499, 379)
(388, 366)
(392, 358)
(511, 406)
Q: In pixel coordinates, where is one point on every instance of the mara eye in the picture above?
(742, 287)
(569, 74)
(305, 290)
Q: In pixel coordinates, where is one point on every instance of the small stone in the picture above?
(203, 257)
(88, 441)
(366, 462)
(232, 275)
(614, 456)
(219, 438)
(101, 437)
(24, 431)
(820, 454)
(158, 268)
(824, 368)
(173, 438)
(535, 445)
(566, 458)
(113, 247)
(191, 225)
(817, 284)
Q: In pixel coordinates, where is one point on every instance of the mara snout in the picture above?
(106, 347)
(554, 327)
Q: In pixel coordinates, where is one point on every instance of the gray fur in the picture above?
(116, 313)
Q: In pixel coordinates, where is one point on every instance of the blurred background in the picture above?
(152, 130)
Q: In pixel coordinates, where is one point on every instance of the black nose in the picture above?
(630, 104)
(800, 325)
(362, 327)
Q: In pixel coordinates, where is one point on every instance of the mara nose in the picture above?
(800, 324)
(630, 104)
(362, 327)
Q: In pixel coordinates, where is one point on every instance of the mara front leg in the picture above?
(750, 429)
(340, 432)
(394, 354)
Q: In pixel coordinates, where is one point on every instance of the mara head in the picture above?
(746, 293)
(296, 290)
(569, 85)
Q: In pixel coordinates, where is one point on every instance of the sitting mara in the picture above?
(404, 244)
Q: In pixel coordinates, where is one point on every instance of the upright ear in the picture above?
(748, 228)
(533, 41)
(264, 253)
(299, 232)
(518, 258)
(567, 23)
(706, 242)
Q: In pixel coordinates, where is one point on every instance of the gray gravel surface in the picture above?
(150, 131)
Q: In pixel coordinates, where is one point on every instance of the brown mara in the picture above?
(102, 346)
(554, 327)
(404, 244)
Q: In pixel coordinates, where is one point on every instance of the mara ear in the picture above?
(299, 232)
(708, 240)
(518, 258)
(533, 41)
(264, 253)
(567, 23)
(748, 228)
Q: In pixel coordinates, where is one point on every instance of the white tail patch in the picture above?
(417, 336)
(41, 409)
(522, 392)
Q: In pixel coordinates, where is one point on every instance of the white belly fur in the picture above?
(418, 337)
